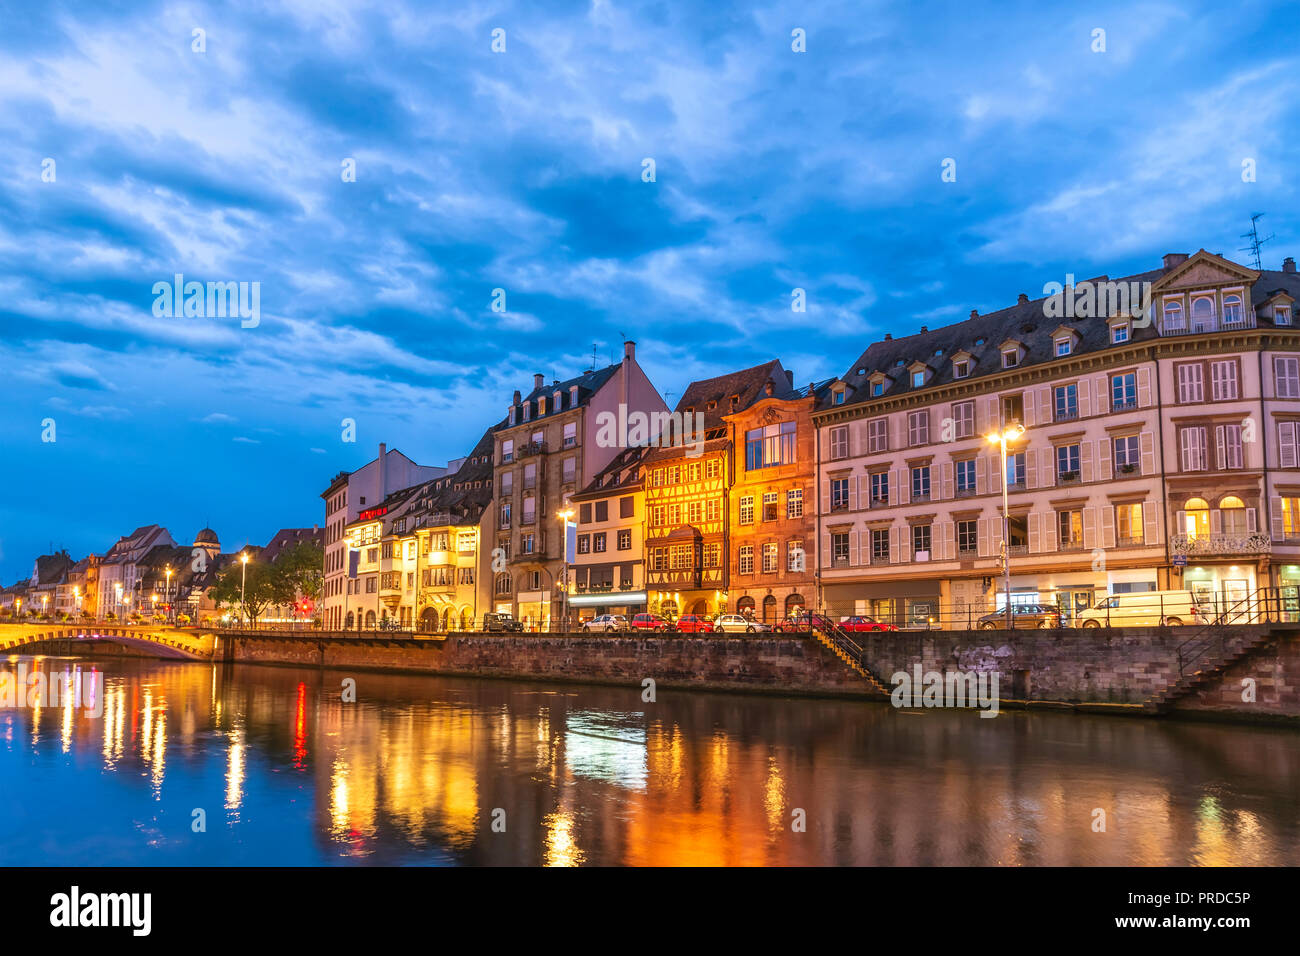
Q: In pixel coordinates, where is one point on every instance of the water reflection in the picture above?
(445, 771)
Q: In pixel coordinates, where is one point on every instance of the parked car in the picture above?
(607, 623)
(1022, 616)
(860, 622)
(1145, 609)
(738, 624)
(501, 622)
(694, 624)
(651, 622)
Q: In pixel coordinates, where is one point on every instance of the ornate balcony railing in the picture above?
(1220, 544)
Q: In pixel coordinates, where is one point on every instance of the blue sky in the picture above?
(522, 170)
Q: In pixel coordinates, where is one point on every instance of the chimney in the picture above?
(789, 377)
(1288, 264)
(629, 350)
(925, 328)
(1172, 259)
(538, 380)
(974, 313)
(518, 397)
(769, 389)
(888, 337)
(1023, 299)
(383, 470)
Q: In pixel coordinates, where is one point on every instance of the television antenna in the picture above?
(1255, 239)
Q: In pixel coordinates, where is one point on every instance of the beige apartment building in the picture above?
(554, 442)
(1159, 451)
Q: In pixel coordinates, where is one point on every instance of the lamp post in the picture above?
(565, 517)
(76, 599)
(171, 605)
(1006, 435)
(45, 605)
(120, 609)
(243, 579)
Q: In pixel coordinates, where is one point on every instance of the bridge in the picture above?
(158, 641)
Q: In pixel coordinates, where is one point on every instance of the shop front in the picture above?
(627, 603)
(1225, 588)
(534, 609)
(904, 603)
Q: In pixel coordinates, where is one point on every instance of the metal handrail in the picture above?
(1194, 649)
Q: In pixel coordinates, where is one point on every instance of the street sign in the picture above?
(1180, 560)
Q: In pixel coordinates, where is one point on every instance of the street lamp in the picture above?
(170, 603)
(45, 605)
(243, 579)
(1007, 435)
(565, 516)
(120, 610)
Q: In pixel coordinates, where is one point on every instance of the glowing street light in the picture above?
(243, 578)
(565, 517)
(1009, 434)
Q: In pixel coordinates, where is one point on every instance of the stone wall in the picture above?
(1275, 669)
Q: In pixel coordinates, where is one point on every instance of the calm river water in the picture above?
(417, 770)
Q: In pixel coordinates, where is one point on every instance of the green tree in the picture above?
(254, 588)
(303, 568)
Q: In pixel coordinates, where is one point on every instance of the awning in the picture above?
(608, 597)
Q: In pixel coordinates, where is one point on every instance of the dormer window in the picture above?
(1010, 358)
(877, 388)
(837, 396)
(1173, 315)
(1232, 310)
(541, 405)
(961, 369)
(573, 396)
(918, 379)
(1119, 333)
(1063, 347)
(512, 414)
(528, 407)
(1282, 315)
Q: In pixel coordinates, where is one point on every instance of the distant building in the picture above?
(119, 570)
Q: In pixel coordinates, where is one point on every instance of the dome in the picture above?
(206, 536)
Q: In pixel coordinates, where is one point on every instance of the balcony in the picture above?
(1129, 541)
(1073, 544)
(1068, 478)
(1066, 414)
(1123, 405)
(1212, 323)
(1208, 544)
(879, 502)
(531, 449)
(1127, 468)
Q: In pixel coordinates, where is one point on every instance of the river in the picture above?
(196, 764)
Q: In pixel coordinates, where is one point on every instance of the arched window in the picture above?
(370, 619)
(745, 606)
(1196, 518)
(349, 622)
(1232, 515)
(1173, 314)
(1202, 314)
(1232, 308)
(769, 610)
(794, 604)
(503, 583)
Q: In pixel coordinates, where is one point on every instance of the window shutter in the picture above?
(1147, 443)
(948, 538)
(1045, 404)
(900, 486)
(982, 537)
(1108, 527)
(1144, 387)
(1103, 395)
(1085, 398)
(1090, 528)
(854, 491)
(904, 549)
(1216, 521)
(1150, 523)
(1286, 443)
(1047, 468)
(1049, 531)
(992, 414)
(981, 474)
(1252, 521)
(1275, 517)
(1232, 453)
(1220, 448)
(1103, 459)
(1028, 400)
(1180, 522)
(946, 480)
(1085, 461)
(1035, 544)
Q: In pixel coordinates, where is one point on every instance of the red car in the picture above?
(694, 624)
(650, 622)
(859, 622)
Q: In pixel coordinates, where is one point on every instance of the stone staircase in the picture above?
(1215, 657)
(851, 653)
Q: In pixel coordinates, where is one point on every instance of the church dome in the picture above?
(206, 536)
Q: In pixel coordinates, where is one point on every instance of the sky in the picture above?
(134, 149)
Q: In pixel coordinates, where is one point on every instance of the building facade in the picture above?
(608, 570)
(1148, 432)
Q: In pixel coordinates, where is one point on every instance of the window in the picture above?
(1288, 442)
(1119, 333)
(626, 507)
(920, 539)
(967, 536)
(771, 556)
(570, 433)
(624, 541)
(714, 467)
(879, 488)
(921, 483)
(598, 542)
(1290, 517)
(1016, 469)
(1123, 391)
(1062, 347)
(584, 543)
(794, 503)
(1232, 515)
(584, 514)
(877, 435)
(1196, 518)
(1286, 377)
(1126, 454)
(877, 389)
(1128, 525)
(695, 512)
(1223, 380)
(879, 544)
(746, 559)
(1282, 315)
(794, 557)
(527, 543)
(770, 445)
(839, 494)
(918, 428)
(602, 511)
(965, 476)
(963, 415)
(961, 369)
(1192, 448)
(1173, 314)
(1067, 402)
(1227, 447)
(712, 555)
(839, 442)
(530, 510)
(507, 451)
(1013, 408)
(1202, 314)
(1067, 463)
(771, 499)
(838, 396)
(711, 509)
(840, 548)
(747, 509)
(1232, 311)
(530, 476)
(504, 521)
(1011, 358)
(1191, 387)
(1069, 530)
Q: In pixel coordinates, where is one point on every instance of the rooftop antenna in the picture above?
(593, 356)
(1255, 239)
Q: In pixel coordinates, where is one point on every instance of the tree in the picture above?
(253, 587)
(303, 569)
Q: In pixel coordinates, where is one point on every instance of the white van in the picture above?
(1144, 609)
